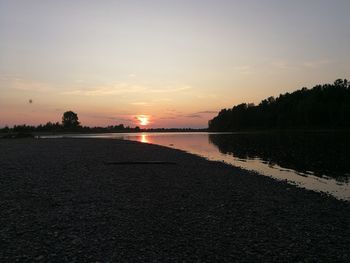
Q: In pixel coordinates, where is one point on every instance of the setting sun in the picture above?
(143, 120)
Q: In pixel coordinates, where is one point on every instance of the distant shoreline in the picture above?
(187, 131)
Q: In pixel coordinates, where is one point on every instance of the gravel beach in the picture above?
(64, 200)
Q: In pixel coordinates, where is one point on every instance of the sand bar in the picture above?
(60, 202)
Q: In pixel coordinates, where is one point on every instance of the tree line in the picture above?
(70, 123)
(323, 106)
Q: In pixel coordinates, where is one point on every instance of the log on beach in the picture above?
(60, 202)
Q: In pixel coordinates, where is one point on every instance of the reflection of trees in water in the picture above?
(321, 153)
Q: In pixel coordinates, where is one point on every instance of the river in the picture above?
(318, 161)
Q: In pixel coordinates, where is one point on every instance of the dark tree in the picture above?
(323, 106)
(70, 120)
(5, 129)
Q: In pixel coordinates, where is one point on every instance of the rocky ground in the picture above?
(61, 202)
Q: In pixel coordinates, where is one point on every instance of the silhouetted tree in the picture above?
(5, 129)
(323, 106)
(70, 120)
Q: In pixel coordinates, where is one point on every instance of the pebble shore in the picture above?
(63, 200)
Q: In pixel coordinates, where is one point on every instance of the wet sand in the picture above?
(61, 202)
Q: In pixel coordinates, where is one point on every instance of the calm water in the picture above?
(316, 161)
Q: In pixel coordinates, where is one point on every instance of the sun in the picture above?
(143, 119)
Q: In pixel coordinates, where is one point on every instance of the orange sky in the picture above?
(177, 62)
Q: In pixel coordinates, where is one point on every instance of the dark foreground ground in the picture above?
(59, 202)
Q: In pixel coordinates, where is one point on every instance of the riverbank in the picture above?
(61, 201)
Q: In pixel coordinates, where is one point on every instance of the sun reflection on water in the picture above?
(144, 138)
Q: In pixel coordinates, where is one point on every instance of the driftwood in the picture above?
(138, 162)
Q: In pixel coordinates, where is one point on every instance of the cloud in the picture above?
(121, 88)
(117, 118)
(120, 119)
(171, 89)
(162, 100)
(310, 64)
(207, 112)
(137, 117)
(21, 84)
(206, 96)
(243, 69)
(124, 88)
(315, 63)
(174, 114)
(281, 64)
(141, 103)
(172, 111)
(269, 64)
(193, 116)
(167, 118)
(7, 77)
(200, 114)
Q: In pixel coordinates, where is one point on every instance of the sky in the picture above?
(175, 63)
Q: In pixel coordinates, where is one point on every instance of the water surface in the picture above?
(312, 160)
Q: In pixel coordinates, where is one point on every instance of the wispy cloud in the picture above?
(316, 63)
(243, 69)
(6, 77)
(280, 64)
(200, 114)
(172, 111)
(284, 64)
(162, 100)
(141, 103)
(116, 89)
(22, 84)
(117, 118)
(207, 112)
(123, 88)
(193, 116)
(168, 118)
(171, 89)
(206, 96)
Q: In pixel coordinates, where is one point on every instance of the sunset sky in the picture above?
(173, 63)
